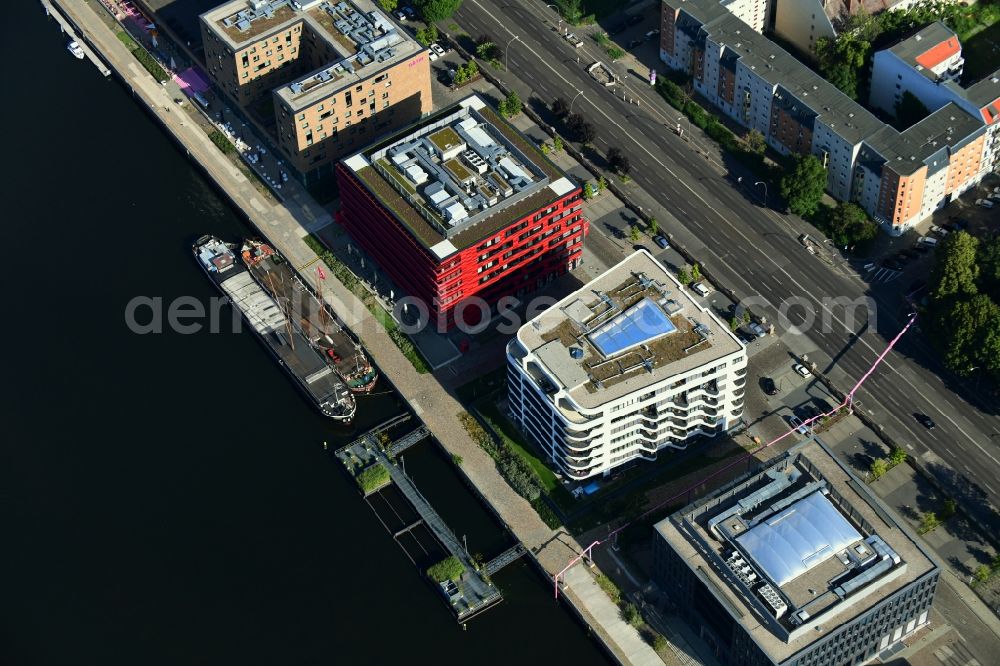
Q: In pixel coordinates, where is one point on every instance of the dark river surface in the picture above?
(165, 498)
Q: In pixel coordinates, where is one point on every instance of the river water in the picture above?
(165, 498)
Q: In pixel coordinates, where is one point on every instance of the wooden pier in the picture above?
(68, 28)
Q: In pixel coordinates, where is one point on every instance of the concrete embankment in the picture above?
(285, 226)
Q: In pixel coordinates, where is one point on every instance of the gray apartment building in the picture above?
(899, 178)
(796, 563)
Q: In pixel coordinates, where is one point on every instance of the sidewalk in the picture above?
(285, 226)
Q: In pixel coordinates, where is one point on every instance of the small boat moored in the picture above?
(75, 48)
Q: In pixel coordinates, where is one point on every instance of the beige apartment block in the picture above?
(335, 74)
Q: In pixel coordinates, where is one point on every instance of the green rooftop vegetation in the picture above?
(373, 478)
(458, 170)
(397, 176)
(445, 138)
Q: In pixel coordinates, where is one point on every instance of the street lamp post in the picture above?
(760, 182)
(506, 52)
(573, 101)
(556, 10)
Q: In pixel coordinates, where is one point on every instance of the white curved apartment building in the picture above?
(627, 365)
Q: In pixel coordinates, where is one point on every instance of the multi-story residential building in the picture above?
(335, 75)
(461, 207)
(929, 66)
(797, 563)
(761, 86)
(623, 368)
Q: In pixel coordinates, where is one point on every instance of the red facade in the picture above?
(514, 261)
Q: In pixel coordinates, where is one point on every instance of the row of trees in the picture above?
(964, 308)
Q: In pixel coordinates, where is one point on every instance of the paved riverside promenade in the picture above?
(285, 225)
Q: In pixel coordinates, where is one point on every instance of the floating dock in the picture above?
(66, 27)
(414, 520)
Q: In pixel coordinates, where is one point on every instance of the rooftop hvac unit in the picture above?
(576, 352)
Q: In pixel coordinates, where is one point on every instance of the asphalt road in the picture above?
(754, 250)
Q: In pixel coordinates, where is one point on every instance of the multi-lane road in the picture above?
(754, 250)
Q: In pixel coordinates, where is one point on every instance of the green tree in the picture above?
(634, 234)
(982, 573)
(955, 271)
(659, 643)
(511, 105)
(734, 324)
(684, 276)
(897, 456)
(449, 568)
(388, 5)
(653, 227)
(803, 187)
(437, 10)
(695, 273)
(427, 35)
(616, 53)
(602, 183)
(557, 144)
(755, 141)
(909, 111)
(949, 508)
(849, 224)
(988, 258)
(588, 191)
(485, 48)
(928, 523)
(560, 107)
(841, 59)
(970, 335)
(878, 469)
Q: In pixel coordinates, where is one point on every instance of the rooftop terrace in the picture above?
(631, 327)
(796, 549)
(459, 176)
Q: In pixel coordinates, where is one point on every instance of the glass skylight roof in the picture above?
(639, 324)
(804, 535)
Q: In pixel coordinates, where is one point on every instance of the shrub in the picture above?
(949, 508)
(588, 191)
(878, 469)
(659, 642)
(601, 38)
(616, 53)
(478, 434)
(928, 523)
(511, 105)
(546, 513)
(982, 573)
(437, 10)
(631, 615)
(609, 588)
(150, 64)
(457, 459)
(373, 478)
(897, 456)
(222, 142)
(519, 475)
(127, 40)
(447, 569)
(557, 144)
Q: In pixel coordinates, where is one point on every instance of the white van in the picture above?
(928, 240)
(202, 102)
(701, 289)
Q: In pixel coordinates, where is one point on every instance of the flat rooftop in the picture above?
(459, 176)
(796, 549)
(367, 41)
(633, 326)
(928, 47)
(362, 36)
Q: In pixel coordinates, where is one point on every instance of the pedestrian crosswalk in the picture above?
(881, 274)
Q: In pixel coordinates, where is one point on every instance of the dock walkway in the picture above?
(285, 225)
(67, 28)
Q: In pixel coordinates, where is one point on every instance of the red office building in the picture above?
(462, 205)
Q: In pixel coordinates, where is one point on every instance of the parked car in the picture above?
(984, 203)
(770, 387)
(925, 421)
(701, 289)
(410, 12)
(745, 338)
(802, 370)
(634, 43)
(400, 14)
(797, 423)
(757, 329)
(935, 229)
(635, 19)
(653, 34)
(661, 241)
(436, 48)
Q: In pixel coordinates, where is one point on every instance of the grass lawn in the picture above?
(981, 53)
(507, 431)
